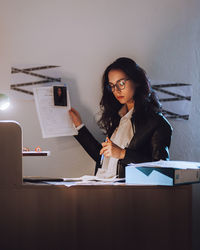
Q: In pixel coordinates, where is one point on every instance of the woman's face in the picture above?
(122, 95)
(59, 92)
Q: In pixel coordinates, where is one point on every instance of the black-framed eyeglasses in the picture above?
(120, 84)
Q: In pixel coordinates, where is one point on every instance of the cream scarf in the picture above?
(121, 137)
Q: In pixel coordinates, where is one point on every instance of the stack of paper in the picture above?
(163, 173)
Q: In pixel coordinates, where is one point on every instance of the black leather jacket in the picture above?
(150, 142)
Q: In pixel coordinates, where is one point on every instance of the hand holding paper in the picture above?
(75, 116)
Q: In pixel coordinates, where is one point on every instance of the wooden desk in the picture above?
(34, 217)
(96, 217)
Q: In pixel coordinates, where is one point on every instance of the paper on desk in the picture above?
(84, 183)
(86, 178)
(63, 183)
(54, 120)
(168, 164)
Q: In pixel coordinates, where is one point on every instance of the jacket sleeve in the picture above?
(160, 142)
(89, 143)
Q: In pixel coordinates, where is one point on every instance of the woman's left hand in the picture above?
(110, 149)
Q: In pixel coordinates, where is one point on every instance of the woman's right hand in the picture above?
(75, 116)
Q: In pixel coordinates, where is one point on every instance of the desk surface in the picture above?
(97, 217)
(96, 185)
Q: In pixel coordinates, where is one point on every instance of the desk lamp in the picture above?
(4, 101)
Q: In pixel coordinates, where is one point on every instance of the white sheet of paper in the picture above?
(86, 178)
(168, 164)
(86, 183)
(54, 120)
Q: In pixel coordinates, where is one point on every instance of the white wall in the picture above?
(84, 37)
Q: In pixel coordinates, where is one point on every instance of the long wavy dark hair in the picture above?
(146, 100)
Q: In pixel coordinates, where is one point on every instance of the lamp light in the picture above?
(4, 101)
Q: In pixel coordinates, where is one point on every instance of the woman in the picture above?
(131, 118)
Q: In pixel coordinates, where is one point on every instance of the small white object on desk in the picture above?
(36, 153)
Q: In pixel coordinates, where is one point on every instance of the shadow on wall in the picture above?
(174, 58)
